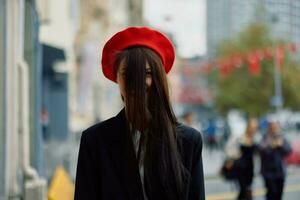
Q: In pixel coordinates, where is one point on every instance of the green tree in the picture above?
(252, 94)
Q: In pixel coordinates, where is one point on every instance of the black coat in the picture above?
(107, 168)
(272, 158)
(244, 166)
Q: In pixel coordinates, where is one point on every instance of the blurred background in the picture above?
(235, 59)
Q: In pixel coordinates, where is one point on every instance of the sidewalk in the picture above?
(212, 162)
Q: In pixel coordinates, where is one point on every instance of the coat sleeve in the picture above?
(264, 149)
(197, 190)
(285, 149)
(86, 179)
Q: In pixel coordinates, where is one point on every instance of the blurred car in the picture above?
(294, 157)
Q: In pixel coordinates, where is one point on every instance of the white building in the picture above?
(226, 18)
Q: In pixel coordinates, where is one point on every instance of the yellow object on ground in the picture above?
(62, 187)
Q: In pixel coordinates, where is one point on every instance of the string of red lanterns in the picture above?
(253, 59)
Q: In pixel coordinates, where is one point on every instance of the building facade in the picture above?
(226, 18)
(20, 146)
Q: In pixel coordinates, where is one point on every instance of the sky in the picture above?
(185, 19)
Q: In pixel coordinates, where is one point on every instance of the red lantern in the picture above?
(225, 67)
(293, 48)
(268, 53)
(253, 64)
(260, 54)
(237, 60)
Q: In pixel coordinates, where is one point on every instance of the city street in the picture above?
(227, 68)
(218, 189)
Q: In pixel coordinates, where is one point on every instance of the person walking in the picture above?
(245, 163)
(211, 135)
(143, 152)
(273, 148)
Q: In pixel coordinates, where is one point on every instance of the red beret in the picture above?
(136, 36)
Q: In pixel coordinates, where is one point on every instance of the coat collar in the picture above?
(122, 153)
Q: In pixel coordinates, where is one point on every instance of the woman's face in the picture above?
(274, 128)
(252, 127)
(121, 77)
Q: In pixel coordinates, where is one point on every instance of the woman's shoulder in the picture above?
(189, 134)
(98, 129)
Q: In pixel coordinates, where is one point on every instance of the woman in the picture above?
(245, 164)
(143, 152)
(273, 149)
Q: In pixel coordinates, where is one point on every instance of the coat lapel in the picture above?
(122, 153)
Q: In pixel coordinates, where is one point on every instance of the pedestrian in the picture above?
(245, 162)
(273, 148)
(226, 134)
(211, 135)
(45, 123)
(189, 119)
(143, 152)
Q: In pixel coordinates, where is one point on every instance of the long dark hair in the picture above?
(149, 110)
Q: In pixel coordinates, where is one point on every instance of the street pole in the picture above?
(278, 100)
